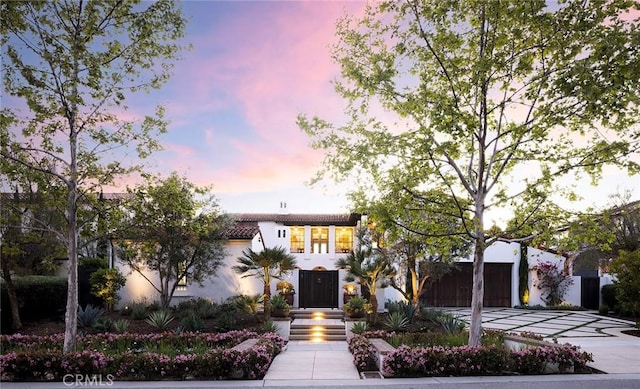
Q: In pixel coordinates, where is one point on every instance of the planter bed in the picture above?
(530, 357)
(133, 357)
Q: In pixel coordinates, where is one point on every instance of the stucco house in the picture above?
(318, 240)
(315, 240)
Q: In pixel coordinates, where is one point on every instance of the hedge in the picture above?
(39, 297)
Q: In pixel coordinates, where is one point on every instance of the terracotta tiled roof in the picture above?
(242, 231)
(291, 219)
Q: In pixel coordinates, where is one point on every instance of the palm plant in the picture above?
(368, 265)
(249, 303)
(266, 265)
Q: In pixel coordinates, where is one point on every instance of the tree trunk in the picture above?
(374, 303)
(16, 323)
(71, 315)
(415, 298)
(267, 299)
(477, 296)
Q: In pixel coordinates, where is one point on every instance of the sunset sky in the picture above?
(233, 101)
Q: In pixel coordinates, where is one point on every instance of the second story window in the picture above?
(297, 239)
(320, 240)
(344, 239)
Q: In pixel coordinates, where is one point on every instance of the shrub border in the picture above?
(408, 361)
(215, 364)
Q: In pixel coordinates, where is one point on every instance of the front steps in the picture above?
(317, 325)
(317, 313)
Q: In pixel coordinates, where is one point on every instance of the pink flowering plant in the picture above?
(491, 359)
(364, 354)
(25, 359)
(553, 282)
(408, 361)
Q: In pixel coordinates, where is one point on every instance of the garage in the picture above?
(454, 289)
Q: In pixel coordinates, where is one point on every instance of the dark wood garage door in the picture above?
(454, 289)
(590, 288)
(318, 289)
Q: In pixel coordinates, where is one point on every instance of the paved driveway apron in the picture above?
(549, 324)
(613, 351)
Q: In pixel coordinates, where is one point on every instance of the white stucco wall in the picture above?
(224, 284)
(536, 256)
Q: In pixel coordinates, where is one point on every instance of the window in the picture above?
(320, 240)
(297, 239)
(344, 239)
(182, 280)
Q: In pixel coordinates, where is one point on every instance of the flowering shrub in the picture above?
(552, 281)
(444, 361)
(50, 364)
(534, 360)
(408, 361)
(364, 354)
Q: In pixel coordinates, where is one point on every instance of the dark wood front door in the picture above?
(454, 289)
(318, 289)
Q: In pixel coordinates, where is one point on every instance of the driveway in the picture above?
(613, 351)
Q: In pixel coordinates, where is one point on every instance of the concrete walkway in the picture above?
(305, 360)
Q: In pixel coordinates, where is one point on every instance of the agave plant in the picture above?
(270, 326)
(103, 324)
(396, 321)
(360, 327)
(88, 316)
(120, 325)
(451, 324)
(160, 319)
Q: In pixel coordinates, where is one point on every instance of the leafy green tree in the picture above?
(175, 231)
(69, 69)
(589, 238)
(421, 236)
(267, 265)
(626, 268)
(498, 102)
(369, 265)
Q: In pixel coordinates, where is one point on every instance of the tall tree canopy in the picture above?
(67, 69)
(175, 231)
(498, 102)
